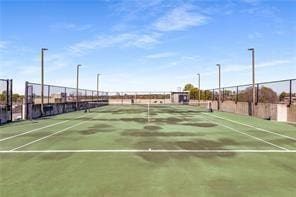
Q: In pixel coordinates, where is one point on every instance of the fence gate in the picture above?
(5, 101)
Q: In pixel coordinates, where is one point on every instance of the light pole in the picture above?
(42, 79)
(253, 81)
(77, 85)
(98, 86)
(198, 74)
(219, 78)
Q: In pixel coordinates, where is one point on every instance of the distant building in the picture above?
(180, 97)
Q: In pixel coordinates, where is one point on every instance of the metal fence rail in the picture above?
(276, 92)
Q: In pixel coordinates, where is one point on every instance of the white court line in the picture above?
(280, 147)
(149, 151)
(51, 125)
(47, 136)
(247, 125)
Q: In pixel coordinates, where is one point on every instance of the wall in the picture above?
(292, 113)
(262, 110)
(34, 110)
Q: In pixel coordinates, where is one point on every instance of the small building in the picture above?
(180, 97)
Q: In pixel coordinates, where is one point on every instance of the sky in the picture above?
(146, 45)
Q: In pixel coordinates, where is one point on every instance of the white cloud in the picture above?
(123, 40)
(180, 18)
(254, 35)
(3, 44)
(70, 27)
(191, 58)
(160, 55)
(262, 11)
(239, 68)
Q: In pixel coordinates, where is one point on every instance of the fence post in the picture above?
(48, 93)
(257, 94)
(290, 99)
(236, 96)
(27, 101)
(223, 95)
(10, 102)
(7, 94)
(65, 95)
(65, 101)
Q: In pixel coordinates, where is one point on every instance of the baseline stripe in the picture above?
(149, 151)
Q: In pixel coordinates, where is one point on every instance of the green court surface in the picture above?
(130, 150)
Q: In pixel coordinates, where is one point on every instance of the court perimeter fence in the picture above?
(274, 100)
(59, 99)
(283, 92)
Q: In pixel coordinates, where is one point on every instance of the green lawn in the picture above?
(217, 154)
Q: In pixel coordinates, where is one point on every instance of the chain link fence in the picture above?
(276, 92)
(59, 99)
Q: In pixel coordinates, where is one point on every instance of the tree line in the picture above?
(265, 94)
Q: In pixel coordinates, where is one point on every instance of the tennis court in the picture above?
(141, 150)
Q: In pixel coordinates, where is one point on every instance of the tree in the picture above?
(193, 91)
(2, 97)
(283, 95)
(206, 95)
(188, 87)
(267, 95)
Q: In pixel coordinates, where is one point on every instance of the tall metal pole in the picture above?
(253, 81)
(98, 86)
(198, 88)
(219, 77)
(77, 85)
(42, 79)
